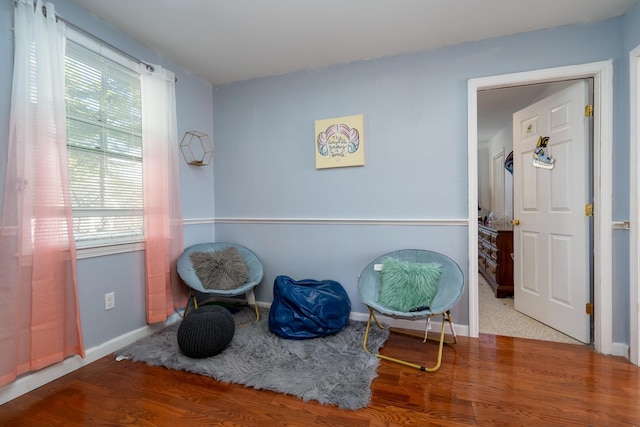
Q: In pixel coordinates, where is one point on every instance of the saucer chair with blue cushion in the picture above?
(412, 284)
(189, 275)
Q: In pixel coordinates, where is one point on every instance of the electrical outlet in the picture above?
(109, 301)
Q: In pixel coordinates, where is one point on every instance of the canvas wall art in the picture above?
(339, 142)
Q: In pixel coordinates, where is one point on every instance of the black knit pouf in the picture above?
(206, 331)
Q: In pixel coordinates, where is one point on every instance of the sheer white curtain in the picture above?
(161, 180)
(39, 315)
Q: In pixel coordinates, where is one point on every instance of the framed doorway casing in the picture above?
(602, 74)
(634, 200)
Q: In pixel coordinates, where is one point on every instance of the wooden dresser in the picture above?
(495, 245)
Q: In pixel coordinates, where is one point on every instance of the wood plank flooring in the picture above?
(487, 381)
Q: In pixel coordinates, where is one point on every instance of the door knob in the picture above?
(515, 221)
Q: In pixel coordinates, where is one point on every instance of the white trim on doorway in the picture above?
(634, 214)
(602, 74)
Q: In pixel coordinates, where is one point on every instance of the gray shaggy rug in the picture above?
(331, 370)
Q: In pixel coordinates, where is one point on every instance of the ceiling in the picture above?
(224, 41)
(496, 106)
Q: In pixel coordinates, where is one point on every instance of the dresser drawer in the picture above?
(495, 244)
(491, 267)
(485, 248)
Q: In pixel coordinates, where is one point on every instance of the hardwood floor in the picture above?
(488, 381)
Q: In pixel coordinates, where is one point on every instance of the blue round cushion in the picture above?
(206, 331)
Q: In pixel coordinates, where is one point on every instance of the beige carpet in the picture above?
(498, 317)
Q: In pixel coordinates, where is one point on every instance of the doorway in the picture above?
(601, 72)
(535, 305)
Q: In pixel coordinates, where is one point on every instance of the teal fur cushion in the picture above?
(408, 286)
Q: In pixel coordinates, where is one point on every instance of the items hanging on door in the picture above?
(508, 164)
(541, 156)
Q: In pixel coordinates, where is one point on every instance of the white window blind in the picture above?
(104, 139)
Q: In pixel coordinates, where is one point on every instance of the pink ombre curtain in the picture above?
(39, 314)
(162, 210)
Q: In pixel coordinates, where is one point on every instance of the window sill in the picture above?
(97, 251)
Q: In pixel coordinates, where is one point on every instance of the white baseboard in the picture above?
(37, 379)
(620, 349)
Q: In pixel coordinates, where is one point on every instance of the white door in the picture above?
(551, 242)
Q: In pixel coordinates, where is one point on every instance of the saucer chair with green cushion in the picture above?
(412, 284)
(191, 273)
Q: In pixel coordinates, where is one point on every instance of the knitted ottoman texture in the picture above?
(206, 331)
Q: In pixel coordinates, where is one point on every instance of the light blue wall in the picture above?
(123, 273)
(415, 111)
(338, 252)
(631, 28)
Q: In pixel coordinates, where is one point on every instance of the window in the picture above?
(104, 140)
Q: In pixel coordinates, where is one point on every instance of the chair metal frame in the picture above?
(446, 318)
(450, 289)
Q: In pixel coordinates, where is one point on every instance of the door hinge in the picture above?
(588, 209)
(589, 308)
(588, 111)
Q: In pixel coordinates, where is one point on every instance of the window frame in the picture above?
(102, 248)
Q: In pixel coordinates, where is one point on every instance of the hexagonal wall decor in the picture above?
(196, 148)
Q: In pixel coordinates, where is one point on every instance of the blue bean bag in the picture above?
(308, 308)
